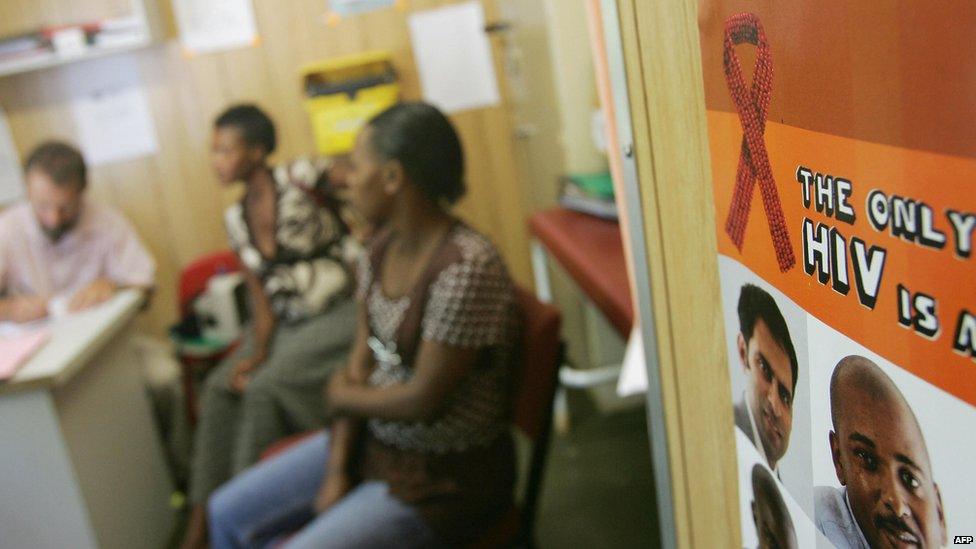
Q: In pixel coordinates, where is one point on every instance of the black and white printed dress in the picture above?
(309, 287)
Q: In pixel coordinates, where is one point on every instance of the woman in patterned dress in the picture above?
(419, 453)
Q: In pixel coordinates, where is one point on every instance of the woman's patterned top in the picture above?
(469, 304)
(308, 271)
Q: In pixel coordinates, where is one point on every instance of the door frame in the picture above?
(668, 189)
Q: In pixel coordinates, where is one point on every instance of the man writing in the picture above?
(58, 247)
(765, 412)
(889, 498)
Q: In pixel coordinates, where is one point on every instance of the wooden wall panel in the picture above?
(172, 197)
(20, 16)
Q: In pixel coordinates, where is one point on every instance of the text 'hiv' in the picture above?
(834, 258)
(826, 251)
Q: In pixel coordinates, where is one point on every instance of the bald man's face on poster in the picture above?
(880, 455)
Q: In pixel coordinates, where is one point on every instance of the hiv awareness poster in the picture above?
(842, 138)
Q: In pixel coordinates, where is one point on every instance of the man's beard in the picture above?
(57, 233)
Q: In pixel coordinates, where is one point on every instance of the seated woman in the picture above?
(420, 453)
(288, 233)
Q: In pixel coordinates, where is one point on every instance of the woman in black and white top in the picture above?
(289, 235)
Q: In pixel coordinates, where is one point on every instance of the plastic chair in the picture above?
(193, 279)
(193, 282)
(531, 415)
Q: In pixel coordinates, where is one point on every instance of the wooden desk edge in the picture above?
(620, 318)
(75, 363)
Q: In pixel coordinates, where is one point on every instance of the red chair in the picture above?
(193, 279)
(193, 282)
(535, 389)
(531, 415)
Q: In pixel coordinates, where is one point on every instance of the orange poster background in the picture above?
(896, 72)
(941, 181)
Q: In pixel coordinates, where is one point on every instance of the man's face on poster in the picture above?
(880, 456)
(769, 389)
(772, 531)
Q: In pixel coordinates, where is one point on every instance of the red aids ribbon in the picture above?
(752, 105)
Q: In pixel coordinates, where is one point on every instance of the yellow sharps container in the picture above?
(343, 93)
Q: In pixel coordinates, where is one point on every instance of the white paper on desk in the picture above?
(111, 111)
(633, 374)
(11, 176)
(453, 57)
(57, 307)
(15, 329)
(215, 25)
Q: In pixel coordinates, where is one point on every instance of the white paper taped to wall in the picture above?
(453, 57)
(111, 111)
(11, 176)
(347, 8)
(215, 25)
(114, 125)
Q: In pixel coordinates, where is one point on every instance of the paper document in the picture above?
(11, 177)
(17, 329)
(215, 25)
(633, 374)
(453, 57)
(111, 111)
(16, 350)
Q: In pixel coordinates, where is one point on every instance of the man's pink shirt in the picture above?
(102, 244)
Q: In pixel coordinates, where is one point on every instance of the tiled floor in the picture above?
(598, 487)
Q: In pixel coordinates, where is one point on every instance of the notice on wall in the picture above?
(453, 57)
(347, 8)
(111, 111)
(214, 25)
(843, 153)
(11, 174)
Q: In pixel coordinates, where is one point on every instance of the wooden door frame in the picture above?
(669, 198)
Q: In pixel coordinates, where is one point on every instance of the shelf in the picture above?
(139, 29)
(52, 59)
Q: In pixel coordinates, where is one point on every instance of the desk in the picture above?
(81, 464)
(592, 253)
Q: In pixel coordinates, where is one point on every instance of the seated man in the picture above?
(768, 358)
(289, 234)
(774, 527)
(58, 250)
(889, 498)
